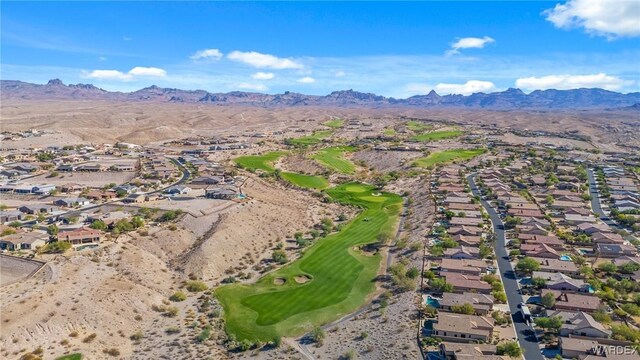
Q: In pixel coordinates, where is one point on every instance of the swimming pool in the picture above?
(565, 258)
(432, 302)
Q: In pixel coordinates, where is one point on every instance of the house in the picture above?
(91, 167)
(463, 266)
(465, 230)
(482, 303)
(70, 202)
(583, 349)
(208, 180)
(615, 250)
(26, 167)
(37, 209)
(134, 198)
(573, 302)
(7, 216)
(100, 195)
(574, 219)
(221, 193)
(467, 283)
(466, 221)
(467, 240)
(590, 228)
(122, 167)
(607, 238)
(460, 351)
(80, 236)
(30, 240)
(539, 250)
(178, 189)
(552, 241)
(463, 328)
(535, 229)
(462, 252)
(579, 323)
(562, 282)
(626, 259)
(558, 266)
(72, 187)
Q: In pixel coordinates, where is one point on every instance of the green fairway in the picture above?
(389, 132)
(76, 356)
(418, 126)
(259, 162)
(339, 277)
(448, 155)
(334, 124)
(305, 181)
(437, 135)
(313, 139)
(333, 159)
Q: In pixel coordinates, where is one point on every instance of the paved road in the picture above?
(528, 342)
(595, 201)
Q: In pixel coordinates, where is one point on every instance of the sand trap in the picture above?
(279, 281)
(301, 279)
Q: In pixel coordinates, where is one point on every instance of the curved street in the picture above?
(525, 333)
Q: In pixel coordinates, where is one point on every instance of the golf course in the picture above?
(309, 140)
(305, 181)
(437, 135)
(330, 280)
(441, 157)
(333, 158)
(259, 162)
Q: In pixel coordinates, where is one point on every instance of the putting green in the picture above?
(259, 162)
(333, 158)
(340, 278)
(445, 156)
(417, 126)
(305, 181)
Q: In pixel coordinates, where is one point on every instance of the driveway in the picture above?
(595, 201)
(527, 341)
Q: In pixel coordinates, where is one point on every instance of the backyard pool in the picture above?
(432, 302)
(565, 258)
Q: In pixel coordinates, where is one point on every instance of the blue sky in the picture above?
(393, 49)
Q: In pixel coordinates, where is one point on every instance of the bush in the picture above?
(90, 338)
(196, 286)
(279, 256)
(112, 352)
(318, 335)
(204, 335)
(55, 247)
(137, 336)
(172, 330)
(170, 215)
(178, 296)
(510, 348)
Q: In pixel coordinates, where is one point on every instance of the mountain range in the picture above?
(504, 100)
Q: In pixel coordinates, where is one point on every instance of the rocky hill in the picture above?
(505, 100)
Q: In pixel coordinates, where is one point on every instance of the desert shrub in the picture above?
(196, 286)
(90, 338)
(178, 296)
(112, 352)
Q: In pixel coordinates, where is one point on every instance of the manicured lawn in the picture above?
(448, 155)
(262, 162)
(340, 277)
(437, 135)
(334, 124)
(333, 159)
(76, 356)
(305, 181)
(313, 139)
(418, 126)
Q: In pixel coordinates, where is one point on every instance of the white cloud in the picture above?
(339, 73)
(469, 43)
(306, 80)
(609, 18)
(137, 71)
(147, 71)
(209, 54)
(468, 88)
(564, 82)
(252, 86)
(263, 76)
(102, 58)
(259, 60)
(127, 38)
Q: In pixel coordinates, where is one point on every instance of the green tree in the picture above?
(279, 256)
(528, 265)
(317, 335)
(509, 348)
(98, 225)
(53, 230)
(548, 300)
(550, 324)
(463, 309)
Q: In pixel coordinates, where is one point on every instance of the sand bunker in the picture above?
(279, 281)
(301, 279)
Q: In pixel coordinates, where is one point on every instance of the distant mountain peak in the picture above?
(54, 82)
